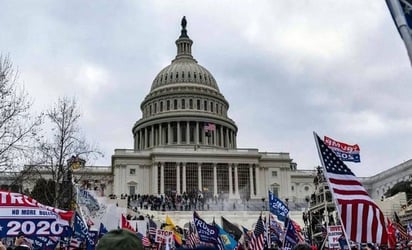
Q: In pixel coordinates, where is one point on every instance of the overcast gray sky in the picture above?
(287, 68)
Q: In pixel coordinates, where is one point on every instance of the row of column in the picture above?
(254, 187)
(164, 134)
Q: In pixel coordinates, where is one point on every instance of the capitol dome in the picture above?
(184, 106)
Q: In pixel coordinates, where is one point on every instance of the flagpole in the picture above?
(330, 188)
(268, 231)
(402, 25)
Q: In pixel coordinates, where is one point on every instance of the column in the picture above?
(252, 185)
(197, 134)
(187, 132)
(178, 178)
(236, 182)
(227, 137)
(230, 180)
(199, 176)
(184, 176)
(234, 140)
(145, 137)
(141, 139)
(215, 137)
(222, 144)
(169, 134)
(257, 170)
(161, 134)
(214, 180)
(124, 179)
(154, 179)
(152, 136)
(178, 133)
(203, 135)
(162, 178)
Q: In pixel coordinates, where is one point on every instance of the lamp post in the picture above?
(74, 163)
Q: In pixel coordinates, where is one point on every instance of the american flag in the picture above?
(362, 219)
(291, 237)
(152, 227)
(209, 127)
(146, 241)
(298, 230)
(257, 241)
(74, 243)
(401, 232)
(192, 240)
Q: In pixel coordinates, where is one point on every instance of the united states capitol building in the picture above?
(185, 142)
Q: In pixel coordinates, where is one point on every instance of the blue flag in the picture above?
(102, 230)
(229, 243)
(92, 239)
(207, 233)
(80, 230)
(277, 207)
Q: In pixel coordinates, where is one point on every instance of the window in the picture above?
(198, 104)
(292, 188)
(155, 107)
(190, 104)
(174, 104)
(132, 190)
(183, 103)
(161, 106)
(275, 189)
(306, 188)
(205, 105)
(274, 173)
(211, 107)
(168, 105)
(132, 171)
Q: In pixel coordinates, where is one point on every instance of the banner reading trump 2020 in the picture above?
(21, 213)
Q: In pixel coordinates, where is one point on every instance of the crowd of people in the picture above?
(187, 201)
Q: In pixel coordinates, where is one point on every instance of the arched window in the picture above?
(161, 106)
(275, 189)
(183, 103)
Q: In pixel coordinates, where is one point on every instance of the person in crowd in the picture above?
(119, 239)
(20, 243)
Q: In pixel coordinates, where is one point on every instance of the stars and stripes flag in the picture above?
(401, 233)
(74, 243)
(362, 219)
(291, 237)
(401, 11)
(209, 127)
(257, 241)
(126, 225)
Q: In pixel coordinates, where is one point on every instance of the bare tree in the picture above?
(65, 143)
(18, 128)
